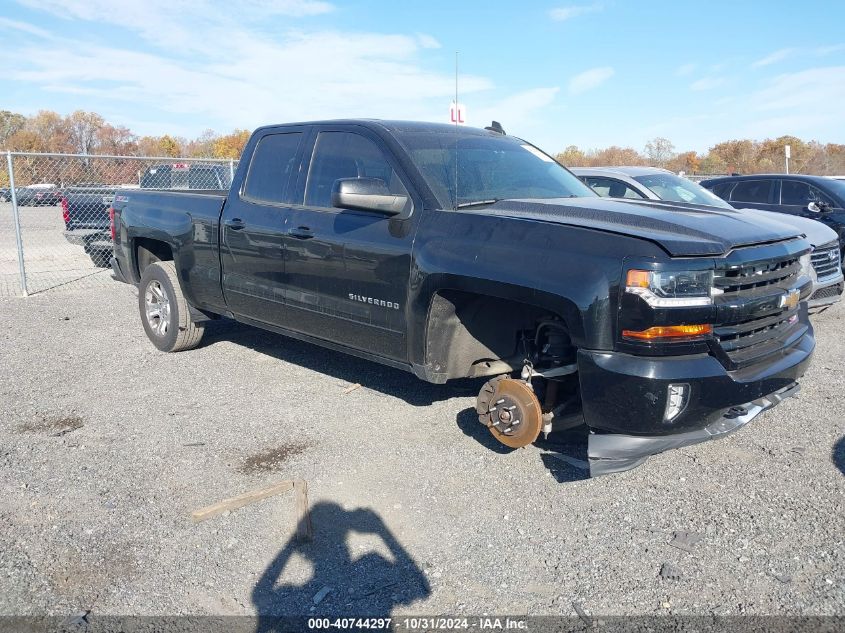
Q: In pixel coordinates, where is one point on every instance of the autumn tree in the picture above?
(572, 157)
(659, 151)
(10, 123)
(82, 128)
(203, 145)
(614, 155)
(231, 145)
(687, 162)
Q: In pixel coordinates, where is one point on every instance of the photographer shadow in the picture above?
(340, 584)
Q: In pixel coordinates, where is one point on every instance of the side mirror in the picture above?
(367, 194)
(817, 206)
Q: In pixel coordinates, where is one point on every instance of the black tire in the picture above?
(99, 257)
(173, 330)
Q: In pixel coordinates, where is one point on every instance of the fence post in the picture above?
(17, 218)
(231, 172)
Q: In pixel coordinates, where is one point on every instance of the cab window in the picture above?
(346, 155)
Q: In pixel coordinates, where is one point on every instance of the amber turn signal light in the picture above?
(637, 279)
(665, 332)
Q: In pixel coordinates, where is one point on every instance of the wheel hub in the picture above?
(510, 409)
(157, 308)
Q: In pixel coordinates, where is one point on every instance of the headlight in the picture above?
(667, 289)
(807, 266)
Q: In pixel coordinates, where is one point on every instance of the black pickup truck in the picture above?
(458, 252)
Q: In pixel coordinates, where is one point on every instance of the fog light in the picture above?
(677, 397)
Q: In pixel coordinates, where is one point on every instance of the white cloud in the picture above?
(685, 70)
(230, 73)
(773, 58)
(589, 79)
(707, 83)
(814, 93)
(823, 51)
(561, 14)
(427, 41)
(516, 109)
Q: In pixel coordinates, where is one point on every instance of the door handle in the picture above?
(236, 224)
(301, 233)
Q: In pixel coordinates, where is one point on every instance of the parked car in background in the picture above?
(5, 194)
(195, 176)
(85, 211)
(653, 183)
(816, 197)
(38, 195)
(85, 206)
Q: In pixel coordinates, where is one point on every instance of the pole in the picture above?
(231, 172)
(17, 219)
(457, 116)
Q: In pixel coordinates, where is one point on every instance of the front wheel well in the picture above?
(472, 335)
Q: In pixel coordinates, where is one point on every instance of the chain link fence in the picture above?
(54, 211)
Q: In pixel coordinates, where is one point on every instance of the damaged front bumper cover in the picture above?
(613, 453)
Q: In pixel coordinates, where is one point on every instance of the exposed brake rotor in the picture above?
(510, 409)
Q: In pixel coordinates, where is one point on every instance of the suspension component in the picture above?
(510, 409)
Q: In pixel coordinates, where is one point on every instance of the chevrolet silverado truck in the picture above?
(452, 252)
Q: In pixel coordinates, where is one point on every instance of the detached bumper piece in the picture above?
(614, 453)
(118, 272)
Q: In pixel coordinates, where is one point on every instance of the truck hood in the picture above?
(682, 230)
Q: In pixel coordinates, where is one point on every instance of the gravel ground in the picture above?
(107, 445)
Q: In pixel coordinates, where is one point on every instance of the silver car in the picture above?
(653, 183)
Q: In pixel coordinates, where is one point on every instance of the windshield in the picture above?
(489, 168)
(677, 189)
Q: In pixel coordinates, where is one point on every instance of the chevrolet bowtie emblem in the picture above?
(790, 299)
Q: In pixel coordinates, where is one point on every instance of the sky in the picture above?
(591, 74)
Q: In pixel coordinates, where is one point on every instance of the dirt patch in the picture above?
(270, 459)
(54, 425)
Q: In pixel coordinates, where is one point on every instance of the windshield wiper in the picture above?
(478, 203)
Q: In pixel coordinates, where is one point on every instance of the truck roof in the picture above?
(396, 126)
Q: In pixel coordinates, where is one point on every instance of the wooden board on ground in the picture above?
(245, 499)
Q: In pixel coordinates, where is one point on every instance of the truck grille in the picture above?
(826, 261)
(754, 323)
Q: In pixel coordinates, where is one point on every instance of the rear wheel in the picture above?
(164, 310)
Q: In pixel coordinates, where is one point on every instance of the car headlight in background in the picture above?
(669, 289)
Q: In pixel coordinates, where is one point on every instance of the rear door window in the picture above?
(752, 191)
(273, 162)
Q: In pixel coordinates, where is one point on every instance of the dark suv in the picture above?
(815, 197)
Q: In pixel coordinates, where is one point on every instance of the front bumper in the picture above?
(825, 293)
(625, 400)
(616, 453)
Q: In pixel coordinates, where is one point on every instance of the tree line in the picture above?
(89, 133)
(744, 156)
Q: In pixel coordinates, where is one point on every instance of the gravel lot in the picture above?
(107, 445)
